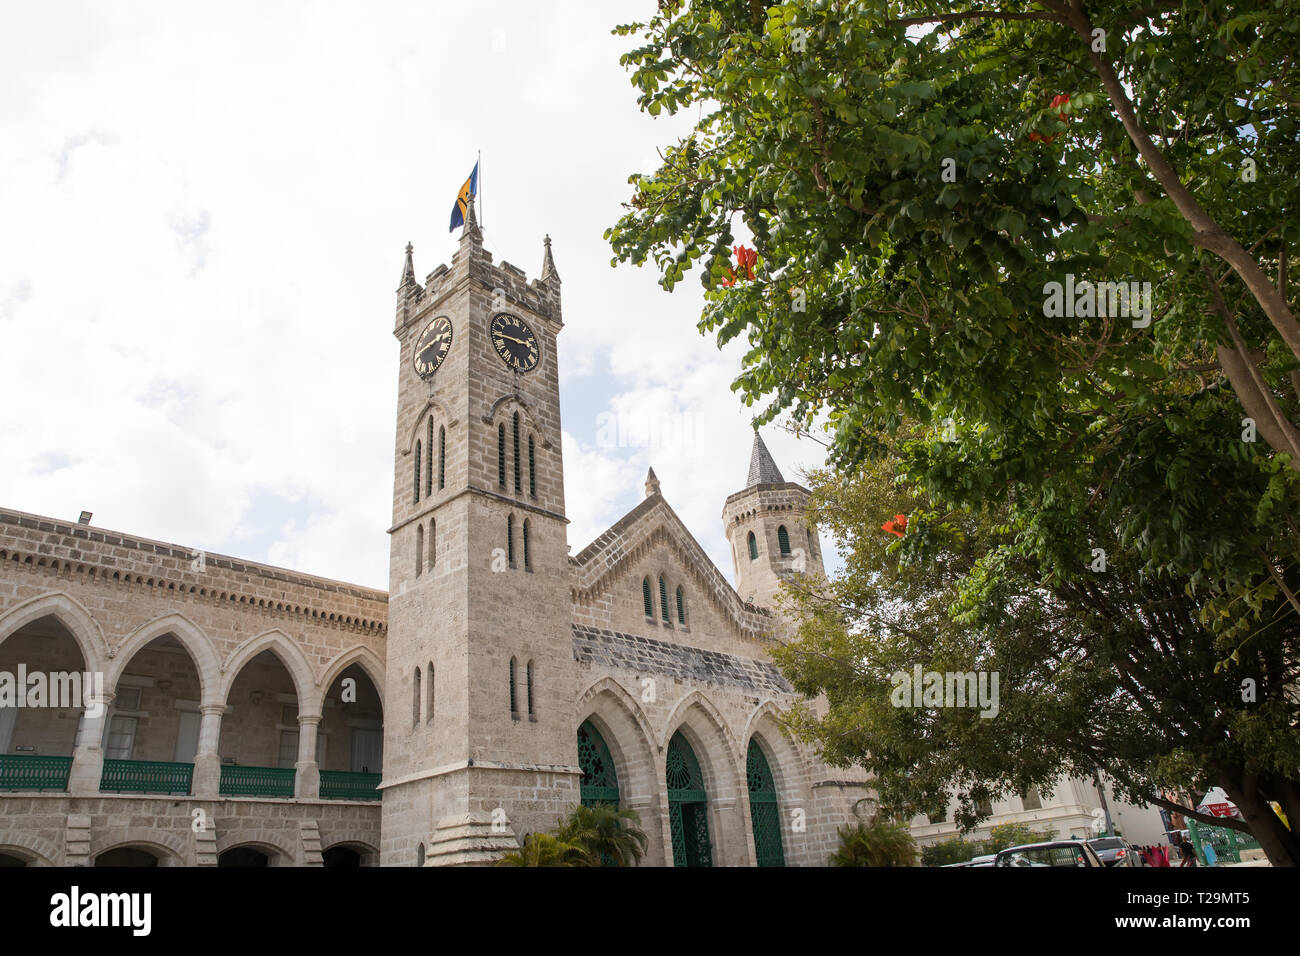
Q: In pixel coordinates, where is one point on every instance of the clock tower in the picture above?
(478, 732)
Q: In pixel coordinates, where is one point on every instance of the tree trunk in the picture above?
(1279, 844)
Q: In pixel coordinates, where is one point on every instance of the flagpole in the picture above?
(479, 163)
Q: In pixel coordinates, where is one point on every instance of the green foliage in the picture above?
(543, 849)
(607, 833)
(1014, 834)
(955, 850)
(881, 844)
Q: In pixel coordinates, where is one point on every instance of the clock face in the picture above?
(514, 342)
(432, 346)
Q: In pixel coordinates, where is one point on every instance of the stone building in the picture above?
(240, 714)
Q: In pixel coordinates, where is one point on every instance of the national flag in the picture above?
(469, 190)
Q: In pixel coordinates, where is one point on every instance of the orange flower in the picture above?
(746, 259)
(896, 525)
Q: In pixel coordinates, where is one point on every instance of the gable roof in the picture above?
(650, 523)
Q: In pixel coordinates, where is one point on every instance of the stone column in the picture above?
(207, 761)
(307, 778)
(88, 757)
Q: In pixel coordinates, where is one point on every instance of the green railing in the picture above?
(146, 776)
(30, 772)
(342, 785)
(256, 781)
(1228, 844)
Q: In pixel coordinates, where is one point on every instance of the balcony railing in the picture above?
(31, 772)
(342, 785)
(256, 781)
(146, 776)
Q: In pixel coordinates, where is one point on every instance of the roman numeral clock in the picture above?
(514, 342)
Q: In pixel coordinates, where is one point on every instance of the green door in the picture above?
(764, 813)
(599, 780)
(688, 816)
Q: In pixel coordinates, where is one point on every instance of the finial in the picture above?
(651, 483)
(408, 271)
(549, 271)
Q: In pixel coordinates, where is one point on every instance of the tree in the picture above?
(954, 850)
(1014, 834)
(1116, 669)
(543, 849)
(917, 251)
(880, 844)
(608, 834)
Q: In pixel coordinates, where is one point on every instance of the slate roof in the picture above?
(594, 645)
(762, 467)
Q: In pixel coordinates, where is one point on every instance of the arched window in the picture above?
(649, 601)
(528, 557)
(433, 541)
(532, 468)
(663, 600)
(753, 547)
(531, 711)
(417, 470)
(518, 486)
(501, 455)
(428, 709)
(415, 698)
(681, 606)
(599, 778)
(419, 549)
(428, 475)
(783, 539)
(514, 703)
(510, 540)
(442, 457)
(764, 812)
(419, 855)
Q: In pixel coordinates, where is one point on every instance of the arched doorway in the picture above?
(126, 856)
(244, 856)
(599, 779)
(687, 807)
(7, 859)
(764, 811)
(342, 856)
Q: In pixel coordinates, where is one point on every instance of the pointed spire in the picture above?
(549, 272)
(471, 230)
(762, 468)
(651, 484)
(408, 271)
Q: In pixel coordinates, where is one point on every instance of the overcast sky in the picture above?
(203, 208)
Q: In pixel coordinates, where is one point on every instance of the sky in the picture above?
(203, 211)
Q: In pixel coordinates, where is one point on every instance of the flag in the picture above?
(467, 191)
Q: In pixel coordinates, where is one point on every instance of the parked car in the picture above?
(1050, 853)
(1115, 851)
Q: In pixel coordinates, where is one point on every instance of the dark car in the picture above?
(1115, 851)
(1052, 853)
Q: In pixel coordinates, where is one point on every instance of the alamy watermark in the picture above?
(1086, 299)
(61, 689)
(946, 689)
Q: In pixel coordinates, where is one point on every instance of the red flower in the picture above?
(746, 259)
(896, 525)
(1059, 100)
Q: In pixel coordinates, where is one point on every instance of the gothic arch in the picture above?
(526, 416)
(202, 652)
(679, 717)
(71, 614)
(37, 851)
(626, 731)
(368, 662)
(159, 840)
(706, 731)
(430, 407)
(279, 643)
(785, 758)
